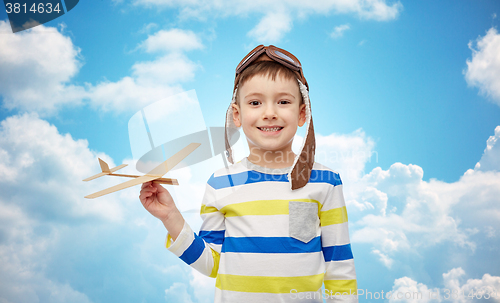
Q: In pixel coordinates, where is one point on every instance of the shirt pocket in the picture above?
(303, 220)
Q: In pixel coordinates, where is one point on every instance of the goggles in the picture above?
(273, 54)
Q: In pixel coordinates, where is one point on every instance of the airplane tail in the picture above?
(105, 170)
(104, 166)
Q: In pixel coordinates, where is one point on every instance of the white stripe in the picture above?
(319, 166)
(205, 262)
(335, 234)
(340, 270)
(183, 241)
(233, 169)
(281, 265)
(335, 198)
(234, 296)
(213, 221)
(259, 226)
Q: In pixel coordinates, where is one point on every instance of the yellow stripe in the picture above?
(215, 269)
(169, 241)
(333, 216)
(341, 286)
(261, 207)
(274, 285)
(207, 209)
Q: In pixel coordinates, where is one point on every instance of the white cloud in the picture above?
(407, 290)
(338, 31)
(39, 165)
(278, 15)
(373, 9)
(483, 70)
(385, 259)
(152, 80)
(410, 214)
(174, 40)
(472, 287)
(491, 155)
(399, 212)
(271, 28)
(36, 67)
(178, 293)
(170, 68)
(129, 94)
(346, 154)
(203, 287)
(455, 290)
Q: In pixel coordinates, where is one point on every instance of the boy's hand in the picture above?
(158, 201)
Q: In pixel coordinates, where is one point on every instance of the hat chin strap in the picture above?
(304, 161)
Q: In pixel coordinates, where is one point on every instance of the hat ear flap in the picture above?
(231, 128)
(304, 162)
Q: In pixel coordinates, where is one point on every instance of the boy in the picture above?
(274, 224)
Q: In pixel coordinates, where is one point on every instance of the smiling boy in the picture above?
(274, 224)
(269, 113)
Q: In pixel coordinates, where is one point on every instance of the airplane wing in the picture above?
(154, 174)
(118, 167)
(166, 181)
(96, 176)
(121, 186)
(163, 168)
(105, 170)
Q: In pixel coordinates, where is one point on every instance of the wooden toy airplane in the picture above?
(154, 175)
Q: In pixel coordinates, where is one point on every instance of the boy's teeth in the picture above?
(267, 129)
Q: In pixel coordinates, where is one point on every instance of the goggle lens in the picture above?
(277, 52)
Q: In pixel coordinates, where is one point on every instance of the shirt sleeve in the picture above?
(202, 251)
(340, 276)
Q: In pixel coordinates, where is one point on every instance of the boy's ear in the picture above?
(302, 115)
(236, 115)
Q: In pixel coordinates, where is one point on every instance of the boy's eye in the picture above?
(255, 103)
(284, 102)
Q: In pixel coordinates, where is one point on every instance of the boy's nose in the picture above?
(270, 112)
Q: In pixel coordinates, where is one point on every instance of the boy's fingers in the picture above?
(146, 192)
(146, 184)
(158, 187)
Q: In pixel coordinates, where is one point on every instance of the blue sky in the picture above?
(405, 98)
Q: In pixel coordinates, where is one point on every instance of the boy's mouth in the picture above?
(270, 129)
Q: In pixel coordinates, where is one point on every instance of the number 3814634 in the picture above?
(37, 8)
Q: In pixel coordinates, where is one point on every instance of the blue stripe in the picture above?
(325, 176)
(194, 251)
(337, 253)
(251, 176)
(242, 178)
(213, 236)
(270, 245)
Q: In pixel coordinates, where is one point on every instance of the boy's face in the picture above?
(269, 113)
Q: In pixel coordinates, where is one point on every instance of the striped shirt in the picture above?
(264, 242)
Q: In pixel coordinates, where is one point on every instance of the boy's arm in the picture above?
(340, 277)
(202, 251)
(158, 201)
